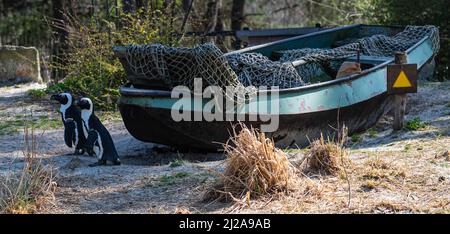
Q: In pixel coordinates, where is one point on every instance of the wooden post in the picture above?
(399, 99)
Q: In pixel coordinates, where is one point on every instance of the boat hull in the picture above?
(156, 125)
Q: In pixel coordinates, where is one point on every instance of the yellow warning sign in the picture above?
(401, 78)
(402, 81)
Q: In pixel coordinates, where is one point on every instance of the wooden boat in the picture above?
(358, 101)
(253, 37)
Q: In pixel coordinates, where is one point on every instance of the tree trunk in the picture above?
(237, 14)
(128, 6)
(116, 9)
(191, 16)
(220, 27)
(210, 18)
(60, 44)
(140, 4)
(186, 4)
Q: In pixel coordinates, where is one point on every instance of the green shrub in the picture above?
(415, 124)
(356, 138)
(172, 179)
(372, 133)
(36, 94)
(407, 148)
(177, 163)
(91, 67)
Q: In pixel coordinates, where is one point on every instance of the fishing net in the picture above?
(257, 70)
(179, 66)
(328, 61)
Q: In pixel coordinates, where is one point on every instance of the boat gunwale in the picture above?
(269, 44)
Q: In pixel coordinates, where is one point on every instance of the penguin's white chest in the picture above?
(98, 147)
(63, 109)
(85, 115)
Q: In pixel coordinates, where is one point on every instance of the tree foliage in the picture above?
(91, 67)
(430, 12)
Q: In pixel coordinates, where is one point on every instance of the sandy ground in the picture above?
(415, 179)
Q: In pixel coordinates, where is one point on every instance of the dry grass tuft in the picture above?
(389, 207)
(328, 156)
(378, 169)
(370, 184)
(182, 210)
(29, 190)
(377, 173)
(445, 155)
(377, 163)
(254, 168)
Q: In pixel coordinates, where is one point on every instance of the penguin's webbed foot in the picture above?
(79, 152)
(117, 162)
(90, 152)
(98, 163)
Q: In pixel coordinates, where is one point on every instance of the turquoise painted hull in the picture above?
(358, 101)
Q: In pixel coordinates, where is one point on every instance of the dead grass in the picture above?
(254, 167)
(182, 210)
(328, 156)
(29, 190)
(445, 155)
(379, 169)
(387, 207)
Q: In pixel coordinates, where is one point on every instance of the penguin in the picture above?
(71, 118)
(98, 141)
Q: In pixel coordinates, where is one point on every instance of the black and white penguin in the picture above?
(73, 126)
(98, 138)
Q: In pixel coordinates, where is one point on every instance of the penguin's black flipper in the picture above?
(69, 132)
(90, 142)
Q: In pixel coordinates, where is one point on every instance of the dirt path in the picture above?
(154, 179)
